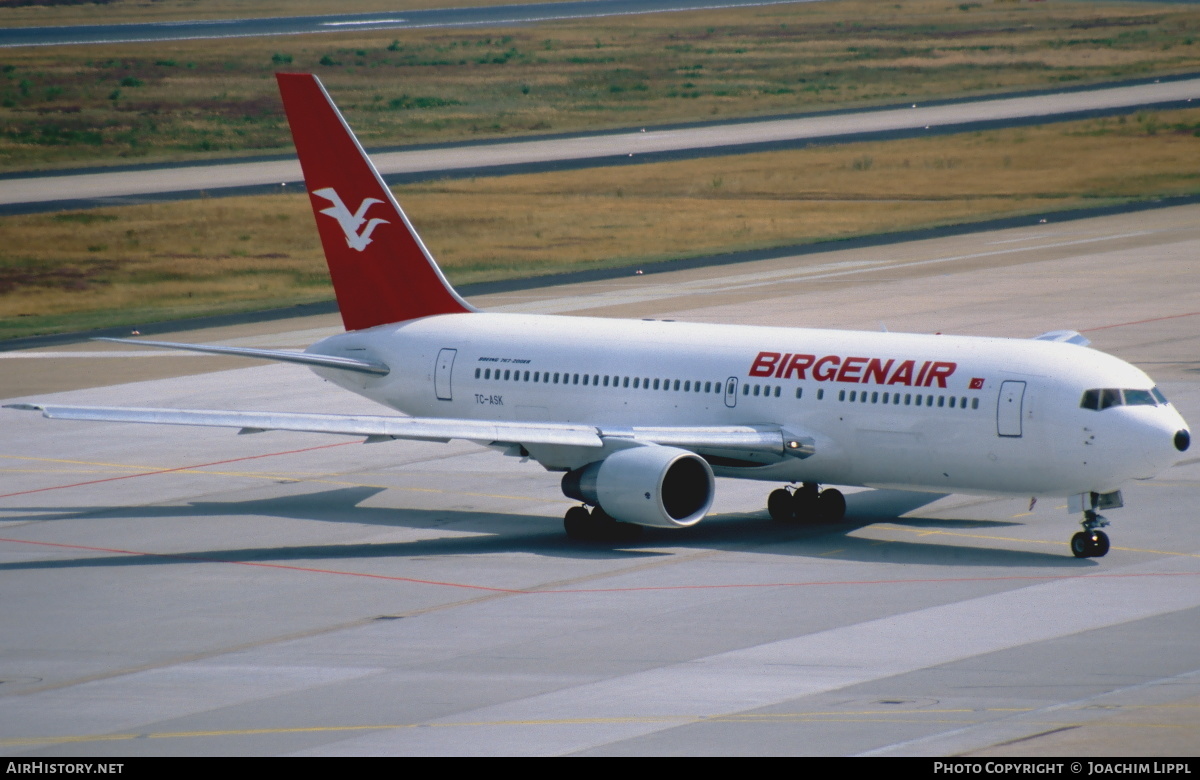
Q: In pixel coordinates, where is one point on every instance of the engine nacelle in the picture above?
(662, 487)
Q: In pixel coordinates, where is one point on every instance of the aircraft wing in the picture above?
(767, 441)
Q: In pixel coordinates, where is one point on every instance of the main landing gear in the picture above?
(806, 504)
(597, 526)
(1091, 542)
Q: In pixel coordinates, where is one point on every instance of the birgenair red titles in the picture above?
(864, 370)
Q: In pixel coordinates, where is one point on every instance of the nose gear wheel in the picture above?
(1091, 542)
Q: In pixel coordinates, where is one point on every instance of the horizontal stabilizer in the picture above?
(282, 355)
(1069, 336)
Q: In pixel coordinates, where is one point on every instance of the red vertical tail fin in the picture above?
(381, 270)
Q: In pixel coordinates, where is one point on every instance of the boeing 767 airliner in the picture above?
(639, 416)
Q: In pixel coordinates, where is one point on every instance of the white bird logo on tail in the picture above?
(350, 223)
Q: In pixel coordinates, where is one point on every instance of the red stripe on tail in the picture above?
(381, 271)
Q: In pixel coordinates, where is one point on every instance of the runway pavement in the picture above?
(173, 591)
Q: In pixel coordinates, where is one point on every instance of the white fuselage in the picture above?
(937, 413)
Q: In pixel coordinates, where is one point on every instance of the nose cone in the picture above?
(1157, 433)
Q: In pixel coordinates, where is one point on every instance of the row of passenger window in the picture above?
(644, 383)
(908, 399)
(1103, 398)
(599, 380)
(697, 386)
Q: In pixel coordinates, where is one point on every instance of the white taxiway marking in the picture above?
(365, 21)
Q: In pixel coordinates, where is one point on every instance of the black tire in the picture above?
(598, 526)
(831, 506)
(1081, 545)
(1099, 544)
(606, 528)
(806, 504)
(780, 506)
(577, 523)
(624, 532)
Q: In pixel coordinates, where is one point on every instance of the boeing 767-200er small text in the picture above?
(640, 416)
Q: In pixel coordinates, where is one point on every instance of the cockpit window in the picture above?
(1139, 398)
(1103, 398)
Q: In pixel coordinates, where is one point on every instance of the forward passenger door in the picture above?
(1009, 409)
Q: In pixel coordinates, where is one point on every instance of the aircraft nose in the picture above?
(1182, 440)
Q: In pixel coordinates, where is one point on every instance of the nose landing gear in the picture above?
(1091, 542)
(806, 504)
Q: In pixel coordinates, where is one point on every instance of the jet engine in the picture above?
(662, 487)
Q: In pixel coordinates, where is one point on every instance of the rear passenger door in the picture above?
(442, 373)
